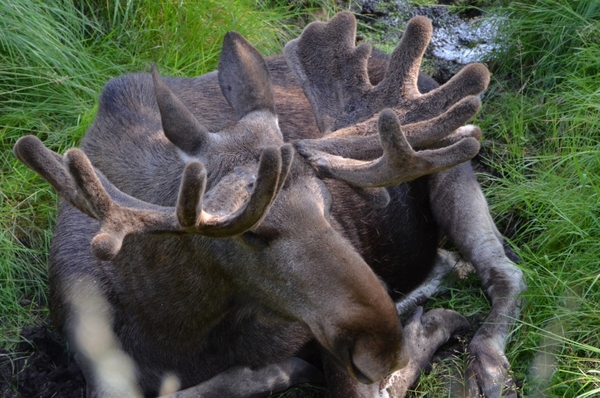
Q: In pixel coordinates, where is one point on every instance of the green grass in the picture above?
(55, 58)
(46, 89)
(541, 119)
(541, 123)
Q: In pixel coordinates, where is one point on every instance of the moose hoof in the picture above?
(487, 371)
(424, 334)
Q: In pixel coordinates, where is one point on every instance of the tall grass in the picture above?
(55, 57)
(47, 87)
(541, 118)
(544, 35)
(543, 113)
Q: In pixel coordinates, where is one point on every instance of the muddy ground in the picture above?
(40, 367)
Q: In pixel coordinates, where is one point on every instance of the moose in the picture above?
(247, 221)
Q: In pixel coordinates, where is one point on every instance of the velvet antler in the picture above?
(333, 74)
(399, 162)
(75, 179)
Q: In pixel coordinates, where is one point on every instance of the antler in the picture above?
(333, 74)
(245, 82)
(76, 180)
(399, 162)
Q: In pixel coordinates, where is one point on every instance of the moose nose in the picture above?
(360, 376)
(368, 368)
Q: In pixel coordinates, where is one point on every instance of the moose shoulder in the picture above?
(237, 217)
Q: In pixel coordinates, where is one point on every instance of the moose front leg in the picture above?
(445, 263)
(460, 209)
(243, 382)
(423, 334)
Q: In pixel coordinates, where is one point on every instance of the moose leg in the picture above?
(460, 209)
(424, 333)
(243, 382)
(445, 263)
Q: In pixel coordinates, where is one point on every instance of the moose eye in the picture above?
(260, 237)
(253, 239)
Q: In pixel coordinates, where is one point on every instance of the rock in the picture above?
(457, 39)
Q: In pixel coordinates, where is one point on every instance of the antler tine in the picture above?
(358, 142)
(434, 132)
(119, 214)
(191, 192)
(272, 171)
(88, 184)
(472, 80)
(75, 180)
(399, 162)
(400, 80)
(49, 165)
(331, 70)
(287, 157)
(399, 89)
(136, 217)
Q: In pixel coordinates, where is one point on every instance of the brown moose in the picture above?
(238, 217)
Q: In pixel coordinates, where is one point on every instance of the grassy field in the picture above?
(544, 111)
(541, 119)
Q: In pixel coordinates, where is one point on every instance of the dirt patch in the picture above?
(40, 367)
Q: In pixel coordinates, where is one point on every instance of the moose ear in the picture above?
(244, 77)
(179, 124)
